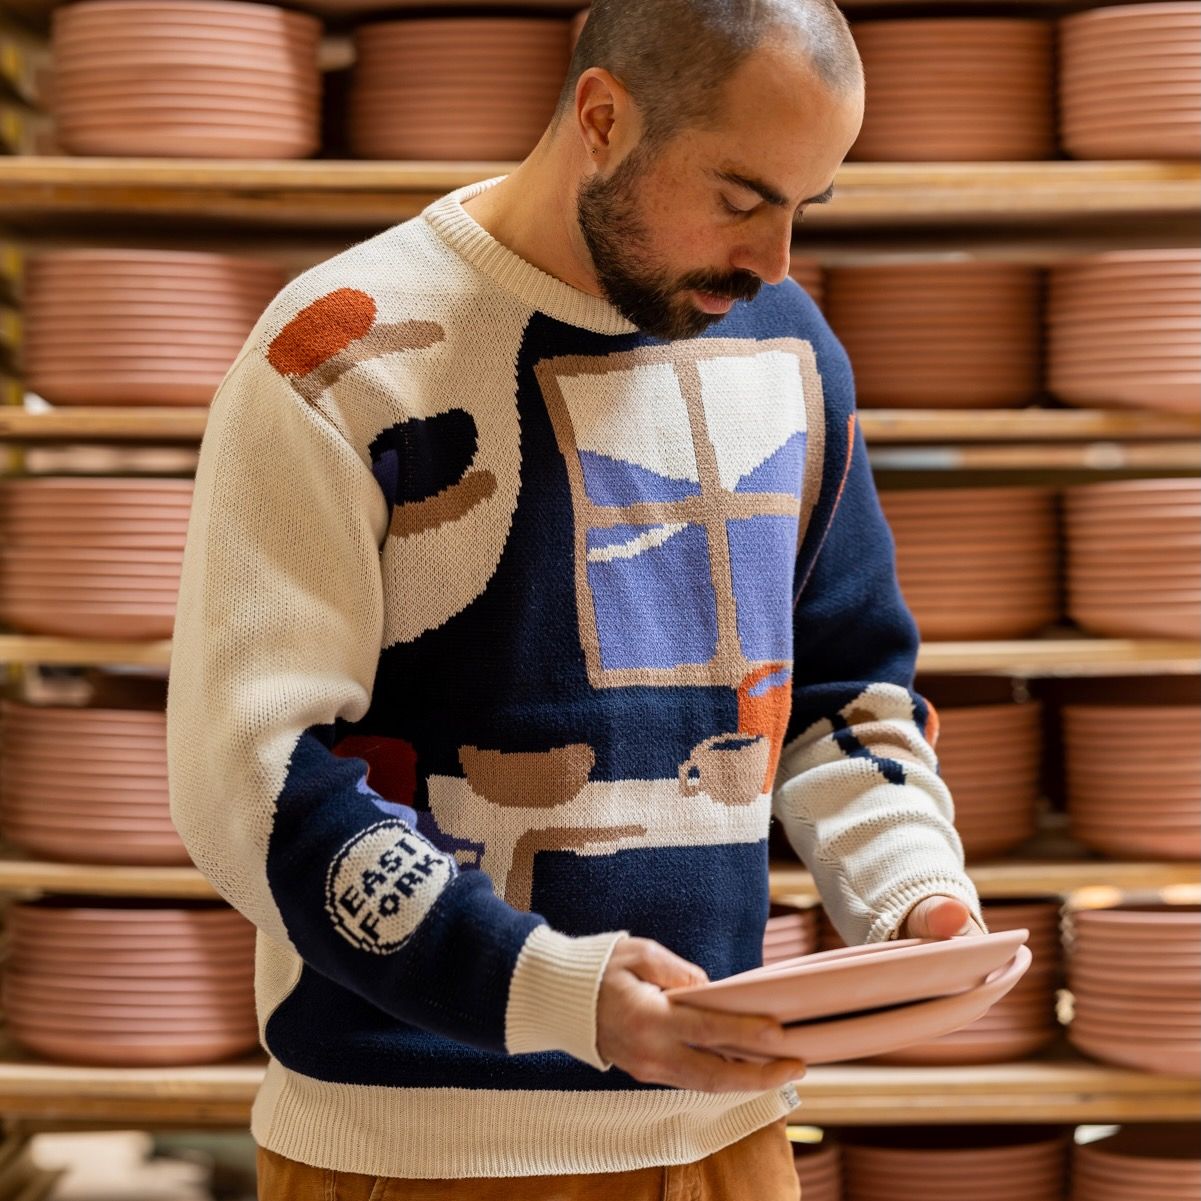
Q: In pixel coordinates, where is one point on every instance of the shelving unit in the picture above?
(1033, 212)
(1057, 1087)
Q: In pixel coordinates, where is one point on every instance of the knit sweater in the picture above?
(503, 631)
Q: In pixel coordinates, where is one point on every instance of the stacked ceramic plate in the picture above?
(123, 981)
(1152, 1160)
(186, 78)
(1134, 972)
(790, 932)
(1130, 81)
(130, 327)
(1134, 794)
(990, 757)
(957, 335)
(92, 557)
(955, 1163)
(105, 801)
(819, 1169)
(976, 562)
(1024, 1021)
(808, 273)
(474, 87)
(1134, 557)
(869, 1000)
(956, 89)
(1124, 328)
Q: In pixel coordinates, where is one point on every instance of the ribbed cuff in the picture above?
(553, 994)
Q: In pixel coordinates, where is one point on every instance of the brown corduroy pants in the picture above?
(756, 1168)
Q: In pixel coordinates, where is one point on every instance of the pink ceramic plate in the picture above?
(133, 1051)
(876, 1033)
(868, 976)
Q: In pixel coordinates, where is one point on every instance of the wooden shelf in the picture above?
(1001, 879)
(83, 652)
(56, 191)
(881, 427)
(1062, 655)
(1068, 872)
(1068, 655)
(1059, 1087)
(21, 875)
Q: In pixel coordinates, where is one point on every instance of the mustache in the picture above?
(742, 285)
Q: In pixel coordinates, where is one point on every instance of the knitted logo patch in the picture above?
(382, 883)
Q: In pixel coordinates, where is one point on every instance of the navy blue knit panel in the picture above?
(851, 625)
(452, 973)
(709, 904)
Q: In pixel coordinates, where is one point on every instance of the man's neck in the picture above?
(532, 212)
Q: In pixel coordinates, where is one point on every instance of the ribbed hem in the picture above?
(459, 1133)
(553, 993)
(887, 926)
(540, 290)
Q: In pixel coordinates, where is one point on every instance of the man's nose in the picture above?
(769, 257)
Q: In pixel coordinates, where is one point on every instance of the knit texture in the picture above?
(503, 630)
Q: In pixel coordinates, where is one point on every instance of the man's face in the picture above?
(677, 233)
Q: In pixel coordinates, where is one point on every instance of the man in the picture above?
(535, 562)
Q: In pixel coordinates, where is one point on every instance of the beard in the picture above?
(625, 265)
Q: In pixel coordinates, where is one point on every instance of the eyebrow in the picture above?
(772, 195)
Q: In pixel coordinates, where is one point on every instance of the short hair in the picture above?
(674, 55)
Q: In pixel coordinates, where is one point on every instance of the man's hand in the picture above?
(939, 917)
(659, 1041)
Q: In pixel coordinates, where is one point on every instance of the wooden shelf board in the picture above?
(1026, 658)
(1020, 877)
(881, 427)
(1060, 1087)
(1063, 656)
(22, 874)
(1177, 457)
(1072, 870)
(38, 648)
(40, 190)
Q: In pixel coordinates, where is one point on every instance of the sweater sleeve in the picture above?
(858, 791)
(276, 644)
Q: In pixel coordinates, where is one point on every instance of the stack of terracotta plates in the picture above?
(953, 1163)
(808, 273)
(956, 89)
(1133, 558)
(1122, 329)
(1130, 81)
(939, 335)
(456, 87)
(129, 982)
(92, 557)
(1134, 779)
(138, 327)
(105, 802)
(1151, 1160)
(186, 78)
(819, 1169)
(990, 757)
(1134, 972)
(976, 562)
(790, 932)
(1024, 1021)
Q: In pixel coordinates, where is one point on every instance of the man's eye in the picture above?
(731, 209)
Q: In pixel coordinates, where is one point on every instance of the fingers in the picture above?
(654, 963)
(707, 1072)
(709, 1028)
